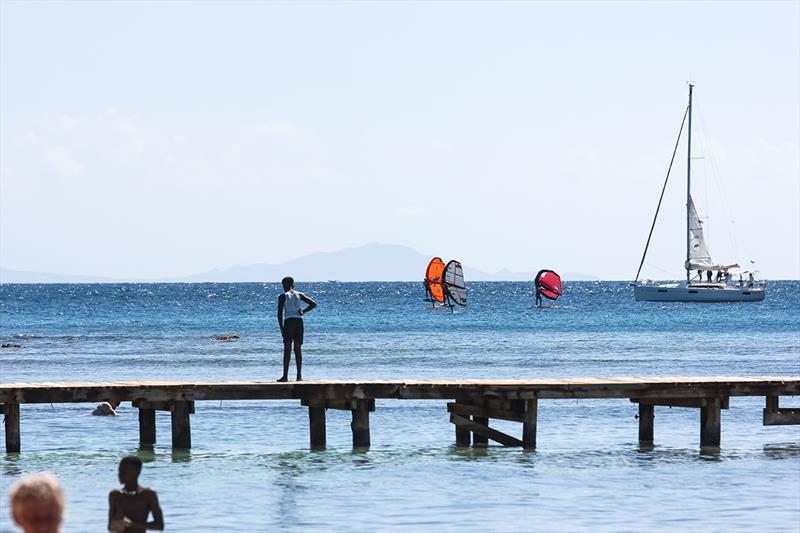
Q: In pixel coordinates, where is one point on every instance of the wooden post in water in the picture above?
(646, 422)
(477, 439)
(463, 436)
(181, 430)
(316, 422)
(360, 424)
(147, 428)
(11, 411)
(710, 423)
(529, 424)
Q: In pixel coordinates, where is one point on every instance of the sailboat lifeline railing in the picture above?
(664, 188)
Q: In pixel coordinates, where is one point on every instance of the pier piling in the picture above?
(710, 416)
(11, 412)
(646, 422)
(360, 424)
(529, 424)
(181, 429)
(463, 436)
(147, 428)
(480, 438)
(316, 422)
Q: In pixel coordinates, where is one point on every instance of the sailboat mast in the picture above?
(688, 184)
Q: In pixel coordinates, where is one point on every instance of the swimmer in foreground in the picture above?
(130, 506)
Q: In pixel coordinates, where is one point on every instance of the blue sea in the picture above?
(251, 469)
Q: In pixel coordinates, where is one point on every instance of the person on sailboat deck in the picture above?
(708, 275)
(700, 275)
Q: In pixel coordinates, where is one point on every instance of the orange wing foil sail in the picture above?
(433, 280)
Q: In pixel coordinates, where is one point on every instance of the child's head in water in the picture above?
(129, 469)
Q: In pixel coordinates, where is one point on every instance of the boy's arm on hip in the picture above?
(311, 303)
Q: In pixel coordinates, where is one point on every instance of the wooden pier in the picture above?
(473, 402)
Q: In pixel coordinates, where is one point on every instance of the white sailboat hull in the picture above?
(689, 293)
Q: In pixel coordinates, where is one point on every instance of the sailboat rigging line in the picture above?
(664, 188)
(720, 192)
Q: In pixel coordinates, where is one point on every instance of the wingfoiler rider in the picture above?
(290, 320)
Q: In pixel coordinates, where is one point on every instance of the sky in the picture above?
(158, 139)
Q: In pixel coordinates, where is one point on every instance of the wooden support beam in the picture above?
(11, 411)
(786, 416)
(165, 405)
(710, 423)
(181, 429)
(316, 423)
(646, 416)
(479, 438)
(486, 412)
(484, 431)
(343, 405)
(529, 424)
(360, 424)
(774, 415)
(147, 428)
(682, 402)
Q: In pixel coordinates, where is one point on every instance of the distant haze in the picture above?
(159, 140)
(371, 262)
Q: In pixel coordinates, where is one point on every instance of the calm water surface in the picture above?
(251, 469)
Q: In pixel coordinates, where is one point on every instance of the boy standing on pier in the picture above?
(130, 506)
(290, 320)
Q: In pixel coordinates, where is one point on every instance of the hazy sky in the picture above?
(156, 139)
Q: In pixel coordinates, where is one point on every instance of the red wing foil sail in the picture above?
(454, 283)
(434, 291)
(548, 284)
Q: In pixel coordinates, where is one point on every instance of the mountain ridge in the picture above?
(369, 262)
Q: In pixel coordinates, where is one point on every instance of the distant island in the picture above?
(370, 262)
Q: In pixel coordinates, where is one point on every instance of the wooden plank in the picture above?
(147, 428)
(710, 423)
(471, 390)
(486, 412)
(360, 424)
(529, 424)
(11, 411)
(484, 431)
(317, 430)
(646, 422)
(181, 428)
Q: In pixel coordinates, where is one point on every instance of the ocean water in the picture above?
(251, 469)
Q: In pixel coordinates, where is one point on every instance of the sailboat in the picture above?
(706, 281)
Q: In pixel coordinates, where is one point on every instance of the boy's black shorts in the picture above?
(293, 330)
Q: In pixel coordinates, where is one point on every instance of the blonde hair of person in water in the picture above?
(37, 504)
